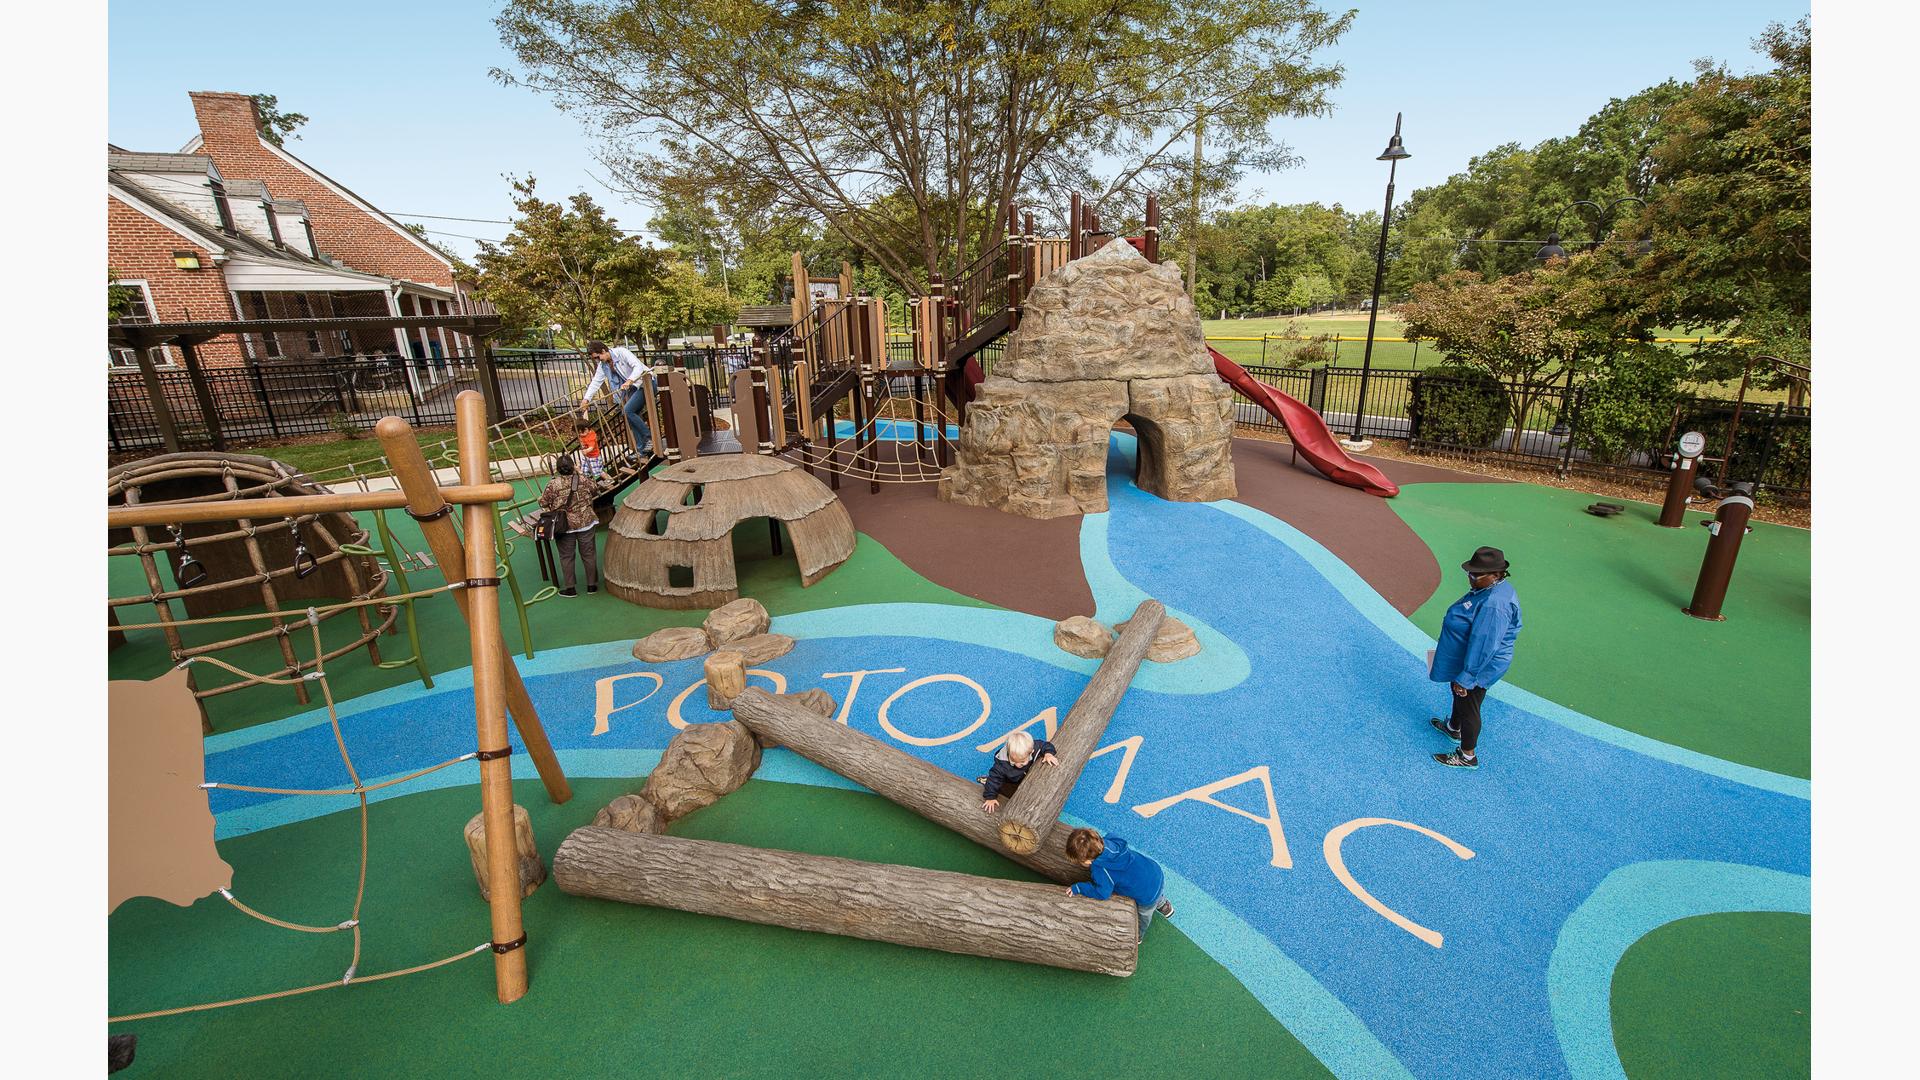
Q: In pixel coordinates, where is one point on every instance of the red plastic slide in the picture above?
(1308, 432)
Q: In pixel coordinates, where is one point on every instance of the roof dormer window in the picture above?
(220, 206)
(273, 223)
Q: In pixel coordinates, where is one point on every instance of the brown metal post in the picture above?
(1153, 228)
(490, 714)
(1016, 268)
(1729, 526)
(426, 505)
(203, 394)
(1673, 511)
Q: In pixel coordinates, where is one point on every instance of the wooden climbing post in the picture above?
(203, 394)
(1075, 246)
(1153, 228)
(490, 712)
(1033, 811)
(426, 506)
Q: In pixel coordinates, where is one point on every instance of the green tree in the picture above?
(568, 264)
(680, 300)
(904, 127)
(1732, 217)
(275, 126)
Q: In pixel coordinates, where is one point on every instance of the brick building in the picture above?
(235, 227)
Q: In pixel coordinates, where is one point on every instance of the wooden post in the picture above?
(1074, 244)
(1153, 228)
(686, 433)
(1025, 921)
(202, 393)
(490, 384)
(747, 425)
(1034, 810)
(895, 775)
(776, 408)
(726, 672)
(157, 398)
(426, 505)
(802, 299)
(490, 712)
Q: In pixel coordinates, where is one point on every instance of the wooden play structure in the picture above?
(671, 542)
(468, 559)
(927, 909)
(254, 552)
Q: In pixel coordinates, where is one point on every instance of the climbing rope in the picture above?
(359, 789)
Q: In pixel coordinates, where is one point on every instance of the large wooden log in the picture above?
(928, 909)
(893, 774)
(1034, 809)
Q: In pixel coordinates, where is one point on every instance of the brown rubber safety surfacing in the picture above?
(1034, 566)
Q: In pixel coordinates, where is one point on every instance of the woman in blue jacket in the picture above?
(1475, 650)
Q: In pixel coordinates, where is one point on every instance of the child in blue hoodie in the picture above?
(1116, 868)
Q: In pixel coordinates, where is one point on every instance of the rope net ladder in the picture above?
(464, 556)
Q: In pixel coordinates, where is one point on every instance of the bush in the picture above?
(344, 425)
(1790, 463)
(1629, 406)
(1457, 406)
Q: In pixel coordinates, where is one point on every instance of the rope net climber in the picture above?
(359, 789)
(898, 443)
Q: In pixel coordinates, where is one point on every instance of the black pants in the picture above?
(1466, 715)
(569, 542)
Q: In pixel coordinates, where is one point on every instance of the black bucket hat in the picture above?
(1487, 560)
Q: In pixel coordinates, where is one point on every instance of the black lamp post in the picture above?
(1552, 250)
(1392, 155)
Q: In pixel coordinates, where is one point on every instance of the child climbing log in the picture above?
(1035, 808)
(892, 773)
(928, 909)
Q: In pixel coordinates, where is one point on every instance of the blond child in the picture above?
(1010, 766)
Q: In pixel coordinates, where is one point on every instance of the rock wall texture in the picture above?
(1106, 337)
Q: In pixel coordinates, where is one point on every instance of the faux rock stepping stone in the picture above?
(1083, 636)
(1175, 641)
(701, 764)
(672, 643)
(743, 618)
(761, 648)
(632, 813)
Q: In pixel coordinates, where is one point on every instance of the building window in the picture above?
(134, 301)
(221, 207)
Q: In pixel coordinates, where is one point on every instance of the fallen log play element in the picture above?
(1034, 809)
(893, 774)
(1028, 922)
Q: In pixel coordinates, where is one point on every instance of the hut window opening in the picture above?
(679, 577)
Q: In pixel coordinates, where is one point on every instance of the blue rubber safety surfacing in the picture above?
(1307, 674)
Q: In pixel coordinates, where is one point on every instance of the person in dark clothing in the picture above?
(1113, 867)
(1475, 650)
(571, 496)
(1010, 766)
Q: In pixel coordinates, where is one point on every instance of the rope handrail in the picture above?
(324, 609)
(357, 789)
(156, 1013)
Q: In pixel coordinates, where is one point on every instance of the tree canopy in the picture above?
(275, 126)
(570, 264)
(905, 126)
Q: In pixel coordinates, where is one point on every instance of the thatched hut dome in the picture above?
(671, 543)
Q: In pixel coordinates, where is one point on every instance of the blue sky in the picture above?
(404, 113)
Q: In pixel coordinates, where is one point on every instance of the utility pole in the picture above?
(1193, 217)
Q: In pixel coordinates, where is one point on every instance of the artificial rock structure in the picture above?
(1104, 338)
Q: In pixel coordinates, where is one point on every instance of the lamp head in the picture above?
(1396, 150)
(1551, 249)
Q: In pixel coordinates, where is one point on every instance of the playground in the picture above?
(1620, 888)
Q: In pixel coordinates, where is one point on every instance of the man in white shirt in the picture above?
(621, 371)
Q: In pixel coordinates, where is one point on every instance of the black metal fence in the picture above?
(264, 402)
(1542, 426)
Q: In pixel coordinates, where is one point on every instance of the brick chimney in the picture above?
(227, 122)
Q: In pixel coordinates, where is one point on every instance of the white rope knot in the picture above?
(209, 785)
(348, 925)
(313, 616)
(348, 977)
(226, 894)
(314, 675)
